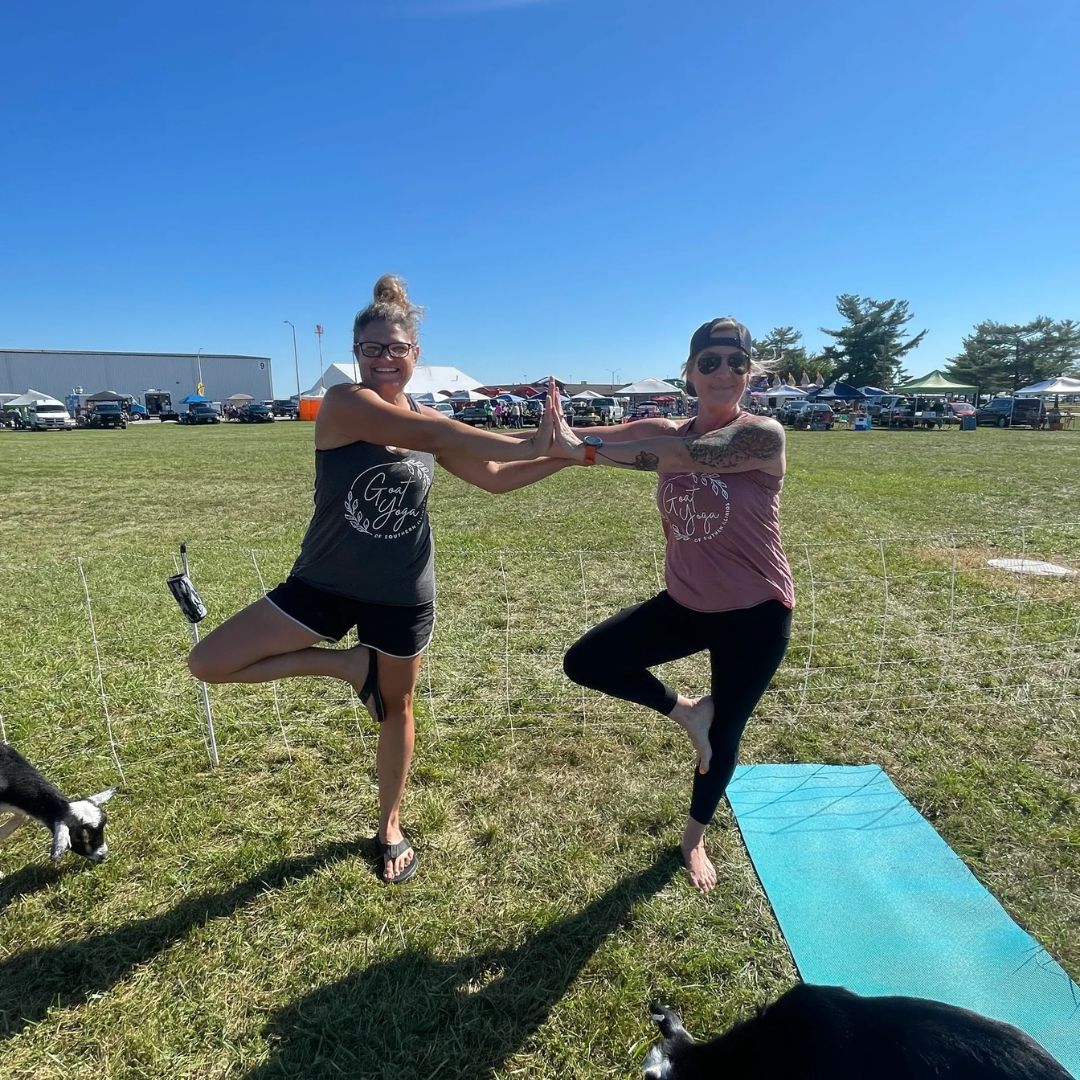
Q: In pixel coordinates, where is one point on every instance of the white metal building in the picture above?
(58, 373)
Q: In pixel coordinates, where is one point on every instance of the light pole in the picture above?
(296, 359)
(613, 371)
(318, 337)
(198, 361)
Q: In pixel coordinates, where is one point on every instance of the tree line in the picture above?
(868, 349)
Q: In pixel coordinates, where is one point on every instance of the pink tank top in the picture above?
(723, 539)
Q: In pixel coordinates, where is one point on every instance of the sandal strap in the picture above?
(393, 851)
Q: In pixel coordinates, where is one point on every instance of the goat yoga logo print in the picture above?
(387, 501)
(688, 520)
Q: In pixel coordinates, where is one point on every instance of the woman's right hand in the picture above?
(564, 443)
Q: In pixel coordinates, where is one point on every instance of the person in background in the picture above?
(729, 589)
(367, 559)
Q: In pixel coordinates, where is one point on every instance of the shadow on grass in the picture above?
(27, 881)
(416, 1016)
(33, 982)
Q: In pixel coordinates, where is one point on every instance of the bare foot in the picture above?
(393, 867)
(358, 663)
(699, 867)
(695, 718)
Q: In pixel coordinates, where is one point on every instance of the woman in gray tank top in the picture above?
(367, 558)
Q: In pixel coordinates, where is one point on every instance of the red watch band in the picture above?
(590, 456)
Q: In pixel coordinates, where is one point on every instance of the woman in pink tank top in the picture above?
(729, 589)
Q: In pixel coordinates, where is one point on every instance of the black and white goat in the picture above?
(828, 1033)
(76, 825)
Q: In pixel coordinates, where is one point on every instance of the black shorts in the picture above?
(393, 629)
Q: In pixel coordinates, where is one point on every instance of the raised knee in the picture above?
(201, 664)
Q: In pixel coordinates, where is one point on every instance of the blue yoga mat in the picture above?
(870, 897)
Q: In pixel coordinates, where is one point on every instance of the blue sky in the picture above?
(569, 186)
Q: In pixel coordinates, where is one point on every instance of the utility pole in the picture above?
(296, 359)
(318, 337)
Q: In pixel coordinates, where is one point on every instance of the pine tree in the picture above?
(1007, 356)
(869, 348)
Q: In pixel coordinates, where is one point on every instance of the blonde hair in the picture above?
(391, 304)
(758, 365)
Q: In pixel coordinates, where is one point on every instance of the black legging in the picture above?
(745, 649)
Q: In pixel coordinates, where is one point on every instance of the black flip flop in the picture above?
(370, 689)
(393, 851)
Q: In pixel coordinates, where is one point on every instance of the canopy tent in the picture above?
(193, 399)
(468, 395)
(239, 397)
(107, 395)
(838, 391)
(316, 393)
(936, 384)
(648, 388)
(426, 379)
(585, 395)
(872, 391)
(511, 399)
(779, 392)
(431, 397)
(31, 397)
(1055, 387)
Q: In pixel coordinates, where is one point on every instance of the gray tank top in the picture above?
(370, 538)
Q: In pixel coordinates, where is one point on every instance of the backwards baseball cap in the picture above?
(723, 331)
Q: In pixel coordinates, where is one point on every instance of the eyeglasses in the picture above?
(397, 349)
(739, 362)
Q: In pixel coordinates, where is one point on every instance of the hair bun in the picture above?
(390, 289)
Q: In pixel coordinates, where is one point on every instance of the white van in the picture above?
(611, 409)
(49, 416)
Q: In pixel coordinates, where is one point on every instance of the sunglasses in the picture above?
(739, 362)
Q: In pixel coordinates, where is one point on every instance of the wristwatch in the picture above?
(592, 444)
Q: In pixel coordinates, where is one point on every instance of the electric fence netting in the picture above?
(894, 634)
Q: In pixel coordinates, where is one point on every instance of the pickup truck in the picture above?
(106, 414)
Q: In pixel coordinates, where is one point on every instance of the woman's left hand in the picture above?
(564, 444)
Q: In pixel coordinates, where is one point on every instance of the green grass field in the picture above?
(237, 929)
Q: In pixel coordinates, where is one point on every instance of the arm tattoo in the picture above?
(646, 462)
(725, 448)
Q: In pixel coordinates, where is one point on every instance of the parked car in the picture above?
(645, 410)
(443, 407)
(200, 412)
(255, 412)
(49, 416)
(610, 409)
(817, 416)
(882, 404)
(106, 414)
(476, 415)
(1009, 411)
(584, 414)
(792, 409)
(901, 413)
(285, 407)
(958, 410)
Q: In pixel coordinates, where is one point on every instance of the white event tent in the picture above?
(1053, 387)
(647, 388)
(31, 397)
(427, 379)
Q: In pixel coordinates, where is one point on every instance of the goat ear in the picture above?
(61, 841)
(102, 796)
